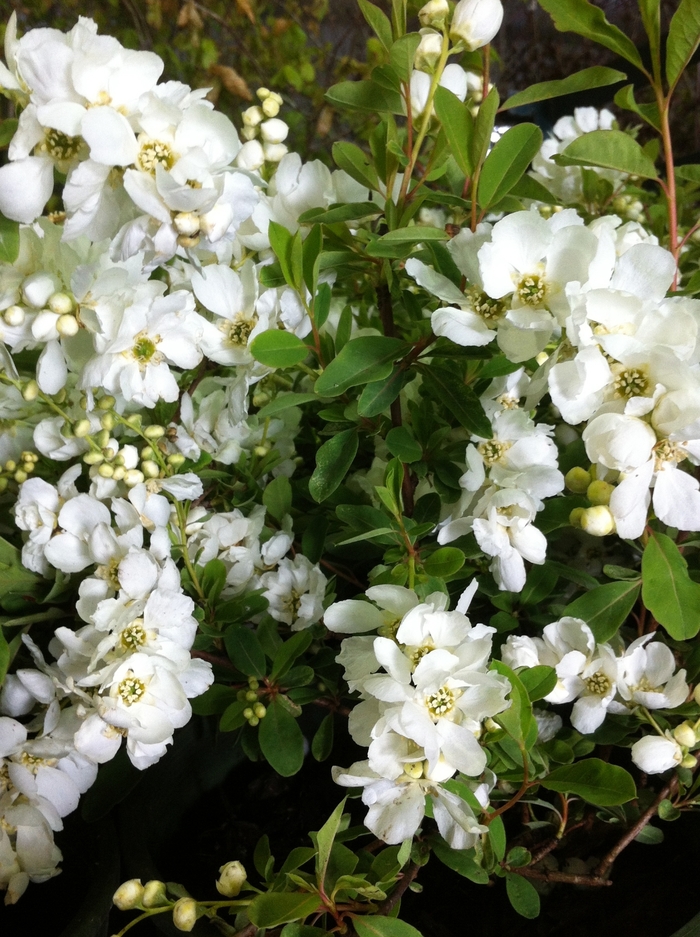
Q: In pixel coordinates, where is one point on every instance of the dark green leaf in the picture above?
(461, 861)
(324, 840)
(333, 461)
(4, 657)
(322, 742)
(667, 590)
(507, 162)
(586, 19)
(245, 651)
(213, 579)
(538, 681)
(606, 608)
(376, 925)
(594, 780)
(277, 497)
(378, 21)
(377, 396)
(273, 908)
(444, 562)
(596, 77)
(284, 402)
(288, 652)
(483, 127)
(362, 360)
(458, 399)
(401, 443)
(458, 124)
(611, 149)
(232, 717)
(214, 700)
(355, 162)
(402, 54)
(314, 538)
(276, 348)
(348, 211)
(683, 39)
(281, 741)
(523, 895)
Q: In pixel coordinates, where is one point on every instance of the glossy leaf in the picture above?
(284, 402)
(586, 19)
(377, 396)
(346, 211)
(594, 780)
(596, 77)
(276, 348)
(277, 497)
(606, 607)
(333, 460)
(245, 651)
(322, 742)
(444, 562)
(683, 39)
(611, 149)
(459, 400)
(273, 908)
(538, 681)
(281, 740)
(402, 443)
(669, 593)
(362, 360)
(507, 162)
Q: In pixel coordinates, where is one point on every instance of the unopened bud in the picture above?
(251, 696)
(187, 223)
(248, 713)
(185, 914)
(575, 517)
(274, 131)
(134, 421)
(428, 52)
(133, 477)
(20, 476)
(231, 879)
(28, 467)
(176, 459)
(577, 480)
(598, 521)
(93, 458)
(599, 492)
(259, 710)
(434, 13)
(10, 465)
(253, 116)
(253, 683)
(82, 428)
(3, 483)
(253, 721)
(14, 316)
(67, 326)
(263, 93)
(37, 289)
(154, 431)
(689, 761)
(275, 152)
(107, 422)
(128, 895)
(684, 734)
(61, 304)
(102, 438)
(119, 473)
(147, 452)
(30, 391)
(154, 895)
(261, 451)
(251, 156)
(270, 107)
(150, 469)
(106, 470)
(106, 402)
(476, 22)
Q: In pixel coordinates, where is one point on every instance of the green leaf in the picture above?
(362, 360)
(483, 127)
(651, 18)
(667, 590)
(333, 460)
(281, 741)
(402, 54)
(4, 657)
(356, 163)
(611, 149)
(517, 720)
(9, 240)
(401, 443)
(683, 39)
(444, 562)
(690, 173)
(648, 112)
(596, 77)
(314, 538)
(458, 399)
(377, 396)
(284, 402)
(523, 895)
(458, 124)
(281, 242)
(365, 96)
(507, 162)
(8, 128)
(606, 608)
(324, 840)
(214, 700)
(277, 497)
(288, 652)
(594, 780)
(414, 234)
(232, 717)
(276, 348)
(346, 211)
(527, 187)
(586, 19)
(245, 651)
(377, 925)
(538, 681)
(273, 908)
(322, 742)
(650, 836)
(461, 861)
(214, 579)
(378, 21)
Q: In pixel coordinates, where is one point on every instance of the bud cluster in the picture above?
(264, 132)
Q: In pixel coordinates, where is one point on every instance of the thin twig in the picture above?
(408, 876)
(590, 880)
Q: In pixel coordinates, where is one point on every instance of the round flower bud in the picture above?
(154, 895)
(3, 483)
(270, 107)
(275, 152)
(689, 761)
(476, 22)
(577, 480)
(10, 465)
(274, 131)
(30, 391)
(14, 315)
(251, 156)
(155, 431)
(128, 895)
(429, 51)
(251, 696)
(249, 133)
(28, 467)
(37, 289)
(187, 223)
(67, 326)
(260, 451)
(133, 477)
(176, 459)
(253, 116)
(147, 452)
(20, 476)
(684, 734)
(259, 710)
(598, 521)
(575, 517)
(119, 473)
(434, 13)
(185, 914)
(93, 458)
(231, 879)
(253, 721)
(263, 93)
(82, 429)
(599, 492)
(107, 422)
(106, 471)
(248, 713)
(106, 402)
(61, 303)
(102, 438)
(150, 469)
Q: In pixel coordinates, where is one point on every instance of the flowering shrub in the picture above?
(412, 443)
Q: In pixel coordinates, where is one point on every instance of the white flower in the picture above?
(618, 441)
(476, 22)
(295, 591)
(655, 754)
(646, 676)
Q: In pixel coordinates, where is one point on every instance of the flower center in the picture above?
(109, 572)
(154, 153)
(145, 349)
(598, 684)
(489, 309)
(413, 769)
(133, 636)
(631, 382)
(131, 689)
(508, 402)
(238, 329)
(441, 702)
(60, 146)
(33, 762)
(416, 654)
(532, 289)
(493, 451)
(667, 451)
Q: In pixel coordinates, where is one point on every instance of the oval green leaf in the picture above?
(594, 780)
(333, 460)
(281, 741)
(610, 149)
(278, 349)
(362, 360)
(605, 608)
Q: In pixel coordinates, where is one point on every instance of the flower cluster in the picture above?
(426, 690)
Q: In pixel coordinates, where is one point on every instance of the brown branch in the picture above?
(248, 931)
(590, 880)
(408, 876)
(348, 577)
(213, 659)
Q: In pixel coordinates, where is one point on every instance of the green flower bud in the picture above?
(106, 470)
(93, 458)
(577, 480)
(689, 762)
(684, 734)
(30, 391)
(251, 696)
(259, 710)
(575, 517)
(10, 465)
(231, 879)
(599, 492)
(154, 895)
(147, 452)
(128, 895)
(598, 521)
(3, 483)
(106, 402)
(185, 914)
(20, 476)
(253, 721)
(248, 713)
(150, 469)
(107, 422)
(102, 438)
(82, 428)
(61, 303)
(176, 459)
(154, 431)
(434, 13)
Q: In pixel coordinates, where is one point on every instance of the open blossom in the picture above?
(476, 22)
